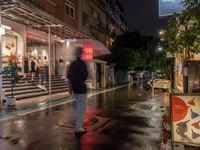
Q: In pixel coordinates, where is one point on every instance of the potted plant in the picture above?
(11, 72)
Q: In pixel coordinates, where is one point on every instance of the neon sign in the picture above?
(87, 54)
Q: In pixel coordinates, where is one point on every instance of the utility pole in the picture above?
(49, 59)
(1, 85)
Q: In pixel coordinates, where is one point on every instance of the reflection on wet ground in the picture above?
(123, 119)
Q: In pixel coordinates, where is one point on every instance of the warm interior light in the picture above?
(62, 41)
(67, 43)
(87, 54)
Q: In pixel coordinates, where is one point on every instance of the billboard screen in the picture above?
(168, 7)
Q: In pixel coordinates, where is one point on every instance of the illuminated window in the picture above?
(70, 9)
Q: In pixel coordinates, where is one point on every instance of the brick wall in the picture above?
(57, 8)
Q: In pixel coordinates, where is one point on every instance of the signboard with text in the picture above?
(168, 7)
(88, 54)
(185, 117)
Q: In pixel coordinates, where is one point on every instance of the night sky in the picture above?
(142, 15)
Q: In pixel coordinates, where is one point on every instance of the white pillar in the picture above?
(1, 85)
(49, 59)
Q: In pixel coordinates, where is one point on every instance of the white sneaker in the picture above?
(81, 131)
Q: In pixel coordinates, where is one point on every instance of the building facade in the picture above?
(93, 18)
(32, 22)
(102, 19)
(116, 24)
(65, 10)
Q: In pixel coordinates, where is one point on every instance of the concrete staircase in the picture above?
(24, 90)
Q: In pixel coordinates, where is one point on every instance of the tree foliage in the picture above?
(183, 31)
(11, 71)
(133, 51)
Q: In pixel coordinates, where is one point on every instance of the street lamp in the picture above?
(161, 32)
(160, 48)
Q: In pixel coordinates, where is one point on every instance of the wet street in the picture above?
(122, 119)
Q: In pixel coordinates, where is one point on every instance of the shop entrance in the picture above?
(37, 57)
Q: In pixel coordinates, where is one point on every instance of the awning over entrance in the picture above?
(98, 48)
(27, 14)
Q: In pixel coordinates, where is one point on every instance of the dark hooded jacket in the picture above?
(77, 76)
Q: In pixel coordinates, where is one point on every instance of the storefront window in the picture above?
(9, 46)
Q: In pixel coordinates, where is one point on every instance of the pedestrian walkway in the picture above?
(119, 118)
(32, 105)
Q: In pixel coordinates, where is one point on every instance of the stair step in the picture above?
(8, 82)
(24, 92)
(54, 78)
(30, 95)
(47, 85)
(21, 88)
(5, 79)
(17, 85)
(59, 91)
(53, 82)
(37, 78)
(58, 87)
(25, 84)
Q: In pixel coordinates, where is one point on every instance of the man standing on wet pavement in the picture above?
(77, 76)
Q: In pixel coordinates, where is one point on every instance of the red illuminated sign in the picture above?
(87, 54)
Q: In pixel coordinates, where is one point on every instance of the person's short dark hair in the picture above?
(78, 52)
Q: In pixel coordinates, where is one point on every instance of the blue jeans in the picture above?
(80, 104)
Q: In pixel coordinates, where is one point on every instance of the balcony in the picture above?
(100, 4)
